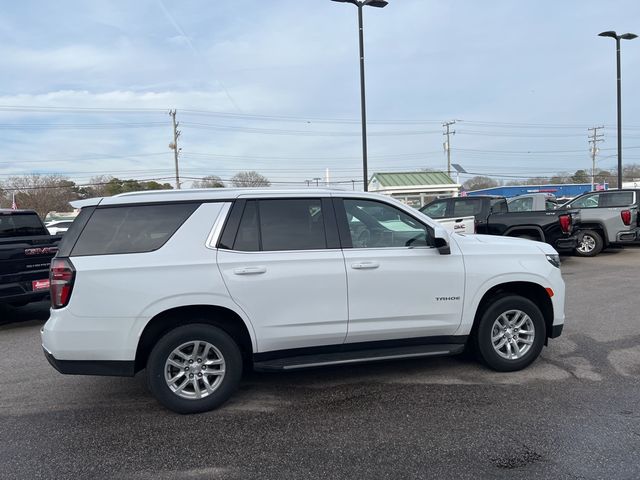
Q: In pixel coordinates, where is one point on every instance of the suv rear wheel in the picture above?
(194, 368)
(511, 334)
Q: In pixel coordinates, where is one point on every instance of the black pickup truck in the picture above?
(492, 217)
(26, 250)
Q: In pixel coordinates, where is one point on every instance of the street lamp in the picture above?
(626, 36)
(360, 4)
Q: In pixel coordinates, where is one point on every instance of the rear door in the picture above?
(282, 264)
(399, 285)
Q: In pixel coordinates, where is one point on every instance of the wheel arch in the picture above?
(522, 230)
(598, 228)
(530, 290)
(215, 315)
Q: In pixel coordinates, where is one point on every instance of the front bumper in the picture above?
(115, 368)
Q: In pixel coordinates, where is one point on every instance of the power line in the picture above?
(283, 118)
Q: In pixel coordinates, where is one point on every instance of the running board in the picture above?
(357, 356)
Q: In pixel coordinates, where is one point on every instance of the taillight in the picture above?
(61, 277)
(565, 223)
(626, 217)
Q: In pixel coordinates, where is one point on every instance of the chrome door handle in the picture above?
(249, 270)
(365, 265)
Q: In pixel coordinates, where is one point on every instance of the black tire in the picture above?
(591, 244)
(483, 335)
(216, 337)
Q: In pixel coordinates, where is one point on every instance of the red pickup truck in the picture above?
(26, 250)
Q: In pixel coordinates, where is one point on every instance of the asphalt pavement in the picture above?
(575, 413)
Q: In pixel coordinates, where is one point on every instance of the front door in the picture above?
(400, 286)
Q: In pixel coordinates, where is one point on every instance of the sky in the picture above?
(273, 86)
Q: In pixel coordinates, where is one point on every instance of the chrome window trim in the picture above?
(216, 230)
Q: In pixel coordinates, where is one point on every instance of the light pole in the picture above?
(625, 36)
(360, 4)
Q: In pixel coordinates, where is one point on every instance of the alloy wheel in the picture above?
(512, 334)
(194, 370)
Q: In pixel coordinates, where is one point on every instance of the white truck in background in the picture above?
(466, 224)
(458, 225)
(532, 202)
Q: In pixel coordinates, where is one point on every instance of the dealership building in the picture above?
(414, 188)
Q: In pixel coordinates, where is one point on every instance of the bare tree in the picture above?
(479, 183)
(250, 179)
(42, 193)
(99, 186)
(210, 181)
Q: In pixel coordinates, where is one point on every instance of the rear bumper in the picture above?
(16, 294)
(566, 244)
(115, 368)
(628, 236)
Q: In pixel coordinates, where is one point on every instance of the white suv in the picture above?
(192, 285)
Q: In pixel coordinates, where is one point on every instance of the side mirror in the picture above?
(441, 241)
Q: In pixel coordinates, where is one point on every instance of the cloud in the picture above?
(504, 62)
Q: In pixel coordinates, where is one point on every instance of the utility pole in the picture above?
(594, 138)
(447, 143)
(174, 145)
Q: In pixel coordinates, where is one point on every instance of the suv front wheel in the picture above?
(511, 334)
(194, 368)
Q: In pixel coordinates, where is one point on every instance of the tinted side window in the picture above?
(248, 236)
(295, 224)
(435, 209)
(499, 206)
(131, 229)
(588, 201)
(618, 199)
(521, 205)
(466, 207)
(550, 204)
(378, 225)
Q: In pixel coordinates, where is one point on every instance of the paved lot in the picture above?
(574, 414)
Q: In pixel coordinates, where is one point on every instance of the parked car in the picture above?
(532, 202)
(606, 217)
(26, 250)
(492, 217)
(192, 285)
(58, 227)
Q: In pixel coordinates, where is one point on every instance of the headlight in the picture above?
(554, 260)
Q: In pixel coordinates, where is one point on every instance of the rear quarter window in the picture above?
(131, 228)
(617, 199)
